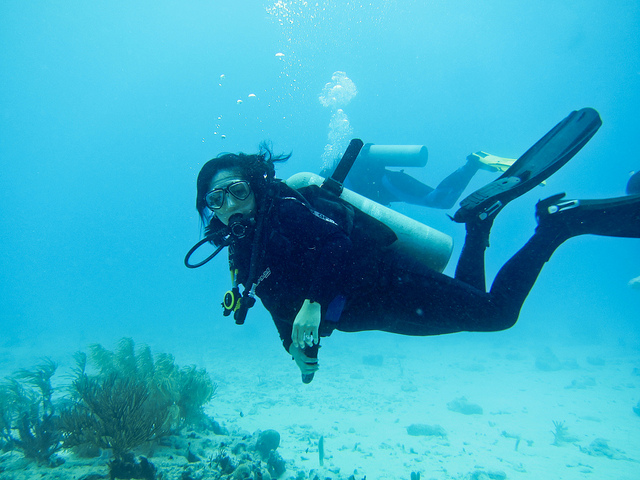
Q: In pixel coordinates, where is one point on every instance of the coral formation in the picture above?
(28, 409)
(267, 441)
(132, 400)
(134, 415)
(113, 413)
(600, 448)
(128, 399)
(561, 434)
(6, 418)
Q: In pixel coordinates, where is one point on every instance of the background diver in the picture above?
(319, 265)
(371, 176)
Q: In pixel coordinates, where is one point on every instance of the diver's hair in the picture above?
(258, 169)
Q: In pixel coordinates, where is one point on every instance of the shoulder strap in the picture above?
(334, 183)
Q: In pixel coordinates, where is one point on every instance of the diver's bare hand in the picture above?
(306, 324)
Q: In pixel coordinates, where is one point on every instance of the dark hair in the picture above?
(257, 169)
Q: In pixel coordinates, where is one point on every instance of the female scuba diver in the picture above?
(318, 264)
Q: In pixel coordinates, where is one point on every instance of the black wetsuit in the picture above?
(342, 264)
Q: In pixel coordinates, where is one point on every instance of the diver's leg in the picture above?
(470, 268)
(420, 302)
(549, 154)
(447, 193)
(404, 188)
(449, 190)
(559, 220)
(516, 278)
(609, 217)
(444, 196)
(425, 302)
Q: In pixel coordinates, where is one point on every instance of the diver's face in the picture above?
(225, 183)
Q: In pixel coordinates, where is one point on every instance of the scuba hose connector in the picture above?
(232, 298)
(247, 301)
(238, 304)
(231, 301)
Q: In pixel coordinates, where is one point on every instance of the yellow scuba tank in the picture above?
(416, 241)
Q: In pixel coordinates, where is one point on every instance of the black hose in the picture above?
(193, 249)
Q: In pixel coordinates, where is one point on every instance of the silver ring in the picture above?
(307, 337)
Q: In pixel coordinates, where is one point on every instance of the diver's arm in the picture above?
(284, 331)
(323, 288)
(331, 247)
(314, 231)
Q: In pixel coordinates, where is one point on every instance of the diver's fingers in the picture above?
(297, 336)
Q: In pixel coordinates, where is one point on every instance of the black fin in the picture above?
(538, 163)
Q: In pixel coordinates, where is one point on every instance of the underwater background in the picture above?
(109, 109)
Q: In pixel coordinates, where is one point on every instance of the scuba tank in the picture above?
(416, 241)
(395, 155)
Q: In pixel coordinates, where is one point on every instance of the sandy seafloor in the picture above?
(363, 410)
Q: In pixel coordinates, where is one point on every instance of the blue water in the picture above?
(108, 110)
